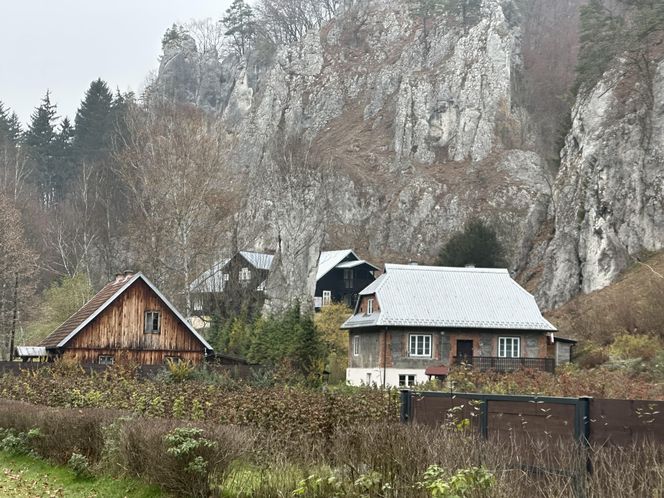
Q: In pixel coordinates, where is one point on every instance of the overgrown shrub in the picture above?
(179, 371)
(80, 466)
(627, 346)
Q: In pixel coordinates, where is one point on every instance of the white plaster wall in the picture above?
(366, 376)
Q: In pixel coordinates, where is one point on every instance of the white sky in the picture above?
(63, 45)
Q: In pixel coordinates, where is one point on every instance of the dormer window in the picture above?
(370, 306)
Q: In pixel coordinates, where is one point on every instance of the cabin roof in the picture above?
(328, 260)
(30, 351)
(107, 295)
(212, 280)
(436, 296)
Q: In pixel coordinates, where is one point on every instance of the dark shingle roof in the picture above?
(84, 313)
(97, 304)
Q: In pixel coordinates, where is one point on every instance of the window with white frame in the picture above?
(509, 347)
(152, 322)
(106, 360)
(327, 298)
(356, 345)
(419, 345)
(406, 380)
(369, 306)
(245, 274)
(226, 277)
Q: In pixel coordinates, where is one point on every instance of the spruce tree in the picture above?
(94, 124)
(64, 168)
(240, 25)
(476, 245)
(40, 140)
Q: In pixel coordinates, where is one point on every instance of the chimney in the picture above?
(118, 277)
(128, 274)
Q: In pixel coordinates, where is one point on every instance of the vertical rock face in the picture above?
(608, 199)
(406, 135)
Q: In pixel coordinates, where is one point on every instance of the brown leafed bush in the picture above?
(61, 431)
(144, 453)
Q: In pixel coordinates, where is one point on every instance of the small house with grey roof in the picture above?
(232, 285)
(415, 322)
(238, 283)
(340, 277)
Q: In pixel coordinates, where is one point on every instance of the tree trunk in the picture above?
(14, 319)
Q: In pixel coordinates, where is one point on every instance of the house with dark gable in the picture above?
(128, 318)
(231, 285)
(415, 322)
(238, 283)
(340, 277)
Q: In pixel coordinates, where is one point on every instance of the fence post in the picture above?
(582, 435)
(484, 418)
(406, 397)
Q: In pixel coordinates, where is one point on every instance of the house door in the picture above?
(464, 350)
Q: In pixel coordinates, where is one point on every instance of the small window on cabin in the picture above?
(327, 297)
(152, 322)
(348, 278)
(245, 275)
(226, 277)
(370, 306)
(356, 345)
(106, 360)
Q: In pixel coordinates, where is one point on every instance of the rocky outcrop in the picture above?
(409, 132)
(608, 201)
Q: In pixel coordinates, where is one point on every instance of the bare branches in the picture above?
(173, 165)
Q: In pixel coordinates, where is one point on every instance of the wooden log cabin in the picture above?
(130, 319)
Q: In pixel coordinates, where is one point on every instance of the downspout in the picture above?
(384, 357)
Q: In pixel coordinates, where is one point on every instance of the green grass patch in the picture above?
(22, 476)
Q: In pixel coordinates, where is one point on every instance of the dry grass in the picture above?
(255, 462)
(632, 305)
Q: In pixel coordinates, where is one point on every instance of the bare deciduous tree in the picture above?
(17, 270)
(298, 193)
(173, 164)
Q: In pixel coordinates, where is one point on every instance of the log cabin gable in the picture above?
(129, 323)
(119, 322)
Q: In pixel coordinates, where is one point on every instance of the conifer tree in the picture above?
(174, 33)
(94, 123)
(476, 245)
(240, 25)
(63, 158)
(40, 139)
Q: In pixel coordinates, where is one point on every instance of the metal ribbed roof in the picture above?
(31, 351)
(436, 296)
(329, 259)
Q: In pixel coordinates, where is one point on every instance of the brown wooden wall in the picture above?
(118, 331)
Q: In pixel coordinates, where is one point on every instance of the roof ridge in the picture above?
(455, 269)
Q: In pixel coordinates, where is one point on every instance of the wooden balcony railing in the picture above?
(506, 364)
